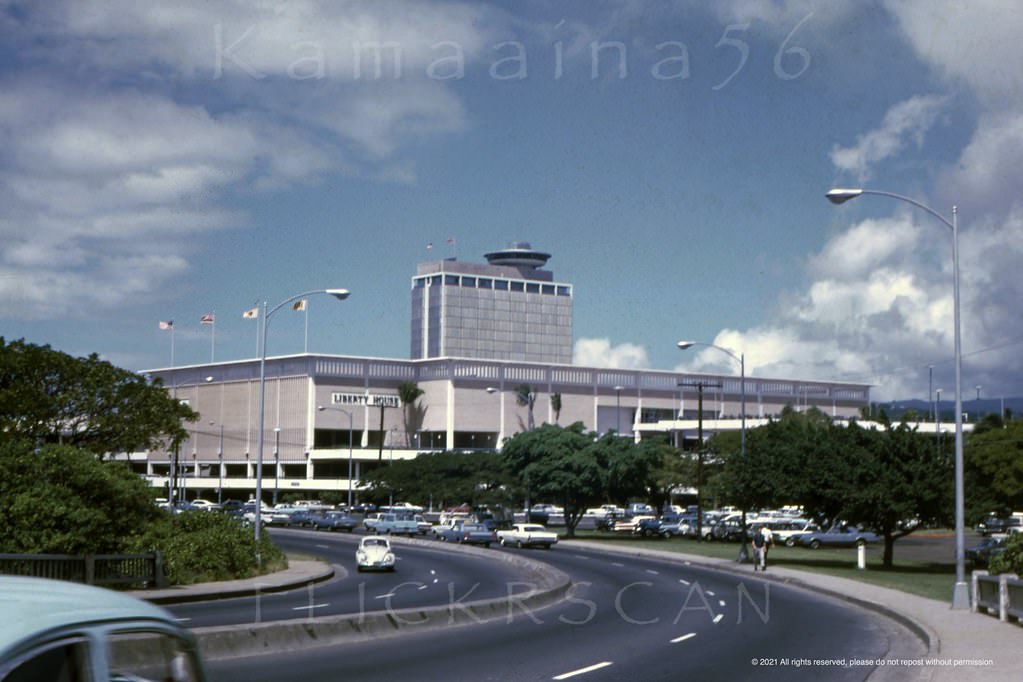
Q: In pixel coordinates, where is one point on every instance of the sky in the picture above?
(161, 161)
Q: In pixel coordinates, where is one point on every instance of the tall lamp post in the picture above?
(960, 593)
(618, 408)
(321, 408)
(220, 466)
(339, 294)
(741, 359)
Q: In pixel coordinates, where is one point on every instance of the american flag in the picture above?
(207, 319)
(169, 324)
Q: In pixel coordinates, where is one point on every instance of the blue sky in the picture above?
(165, 161)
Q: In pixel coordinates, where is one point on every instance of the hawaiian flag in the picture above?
(208, 318)
(251, 313)
(169, 324)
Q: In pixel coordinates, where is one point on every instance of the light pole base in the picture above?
(960, 597)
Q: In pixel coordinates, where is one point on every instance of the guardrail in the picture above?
(1000, 595)
(91, 569)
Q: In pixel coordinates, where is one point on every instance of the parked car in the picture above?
(527, 535)
(838, 536)
(334, 520)
(375, 553)
(55, 630)
(639, 509)
(468, 533)
(980, 555)
(206, 505)
(787, 532)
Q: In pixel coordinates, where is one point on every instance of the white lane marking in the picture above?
(310, 607)
(684, 582)
(721, 602)
(582, 671)
(710, 594)
(683, 638)
(652, 571)
(580, 556)
(618, 564)
(321, 546)
(717, 618)
(182, 620)
(423, 587)
(385, 596)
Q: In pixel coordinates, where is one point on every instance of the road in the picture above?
(627, 618)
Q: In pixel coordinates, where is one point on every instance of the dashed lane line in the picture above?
(582, 671)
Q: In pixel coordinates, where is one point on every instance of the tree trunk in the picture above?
(889, 549)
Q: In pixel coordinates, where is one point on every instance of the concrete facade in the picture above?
(467, 404)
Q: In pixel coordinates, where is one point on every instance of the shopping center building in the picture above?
(328, 415)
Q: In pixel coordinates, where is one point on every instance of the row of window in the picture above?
(472, 282)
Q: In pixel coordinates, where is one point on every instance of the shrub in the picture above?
(200, 546)
(1011, 560)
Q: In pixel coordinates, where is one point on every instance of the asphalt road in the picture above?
(425, 576)
(627, 618)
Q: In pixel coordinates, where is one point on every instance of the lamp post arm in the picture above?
(910, 200)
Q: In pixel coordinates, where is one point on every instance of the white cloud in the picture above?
(906, 121)
(600, 353)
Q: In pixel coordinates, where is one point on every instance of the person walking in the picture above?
(759, 549)
(768, 543)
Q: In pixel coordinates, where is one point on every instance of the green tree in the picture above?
(51, 397)
(412, 413)
(899, 482)
(443, 478)
(58, 499)
(1010, 560)
(993, 463)
(554, 465)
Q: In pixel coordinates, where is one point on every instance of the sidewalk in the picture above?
(987, 649)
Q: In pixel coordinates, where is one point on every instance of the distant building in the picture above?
(507, 309)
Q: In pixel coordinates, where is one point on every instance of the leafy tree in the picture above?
(525, 396)
(1010, 560)
(412, 413)
(553, 463)
(444, 478)
(899, 482)
(993, 463)
(51, 397)
(59, 499)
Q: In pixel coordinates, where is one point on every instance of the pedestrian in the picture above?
(759, 549)
(768, 543)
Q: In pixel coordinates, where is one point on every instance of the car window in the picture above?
(155, 656)
(62, 661)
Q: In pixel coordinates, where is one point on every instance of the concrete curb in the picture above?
(546, 585)
(307, 573)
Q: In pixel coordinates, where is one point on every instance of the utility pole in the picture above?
(699, 385)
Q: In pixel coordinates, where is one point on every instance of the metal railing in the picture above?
(998, 595)
(144, 570)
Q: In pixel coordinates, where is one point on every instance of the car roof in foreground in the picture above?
(33, 606)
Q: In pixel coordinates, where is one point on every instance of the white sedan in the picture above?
(374, 554)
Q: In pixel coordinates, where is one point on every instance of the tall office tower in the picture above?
(508, 309)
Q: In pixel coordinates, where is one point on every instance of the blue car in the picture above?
(838, 536)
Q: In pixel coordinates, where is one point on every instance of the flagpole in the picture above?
(213, 337)
(172, 343)
(306, 311)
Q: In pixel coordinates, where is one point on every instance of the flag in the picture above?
(429, 246)
(169, 324)
(451, 240)
(251, 313)
(299, 305)
(207, 319)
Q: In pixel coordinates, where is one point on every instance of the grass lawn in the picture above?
(933, 580)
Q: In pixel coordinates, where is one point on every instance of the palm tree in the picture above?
(409, 392)
(525, 397)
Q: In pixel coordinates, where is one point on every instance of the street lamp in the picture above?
(741, 359)
(277, 462)
(960, 593)
(220, 466)
(321, 408)
(618, 408)
(339, 294)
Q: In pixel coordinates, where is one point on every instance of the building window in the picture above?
(501, 284)
(563, 291)
(469, 282)
(485, 283)
(518, 286)
(548, 289)
(532, 288)
(451, 279)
